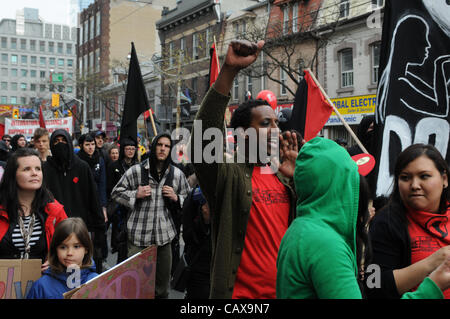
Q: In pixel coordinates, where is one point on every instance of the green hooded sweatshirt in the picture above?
(317, 255)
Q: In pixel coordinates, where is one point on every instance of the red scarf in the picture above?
(428, 232)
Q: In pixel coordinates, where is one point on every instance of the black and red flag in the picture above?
(214, 67)
(414, 85)
(150, 120)
(136, 101)
(311, 109)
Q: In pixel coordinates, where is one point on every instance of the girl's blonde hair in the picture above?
(72, 225)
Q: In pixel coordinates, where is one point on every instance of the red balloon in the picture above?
(269, 97)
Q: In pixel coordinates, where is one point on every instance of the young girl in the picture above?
(71, 246)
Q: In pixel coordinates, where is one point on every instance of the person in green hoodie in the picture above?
(320, 255)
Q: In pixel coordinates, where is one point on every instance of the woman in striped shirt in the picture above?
(28, 211)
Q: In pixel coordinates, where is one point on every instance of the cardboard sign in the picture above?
(17, 277)
(133, 278)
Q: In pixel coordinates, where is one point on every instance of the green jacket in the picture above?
(228, 190)
(317, 255)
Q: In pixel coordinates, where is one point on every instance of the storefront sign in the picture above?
(352, 109)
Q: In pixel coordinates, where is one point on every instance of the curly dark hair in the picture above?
(242, 116)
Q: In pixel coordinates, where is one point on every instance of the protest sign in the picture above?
(133, 278)
(17, 277)
(27, 127)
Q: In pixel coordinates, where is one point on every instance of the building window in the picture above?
(60, 48)
(14, 73)
(42, 87)
(4, 43)
(285, 20)
(33, 60)
(4, 99)
(4, 86)
(346, 61)
(97, 60)
(182, 48)
(13, 59)
(24, 59)
(235, 89)
(32, 45)
(91, 62)
(60, 62)
(24, 73)
(4, 72)
(13, 43)
(70, 62)
(91, 28)
(344, 8)
(33, 73)
(249, 84)
(4, 58)
(375, 48)
(23, 100)
(23, 44)
(85, 29)
(42, 74)
(68, 48)
(195, 46)
(23, 86)
(171, 54)
(51, 61)
(377, 4)
(13, 86)
(283, 80)
(51, 47)
(42, 46)
(295, 17)
(97, 23)
(32, 87)
(43, 60)
(13, 99)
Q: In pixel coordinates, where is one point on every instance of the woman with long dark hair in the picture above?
(28, 211)
(410, 235)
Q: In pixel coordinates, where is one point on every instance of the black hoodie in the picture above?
(73, 185)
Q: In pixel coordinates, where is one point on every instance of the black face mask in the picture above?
(60, 152)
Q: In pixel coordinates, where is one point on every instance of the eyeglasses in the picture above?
(7, 140)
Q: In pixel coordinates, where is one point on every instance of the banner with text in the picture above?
(27, 127)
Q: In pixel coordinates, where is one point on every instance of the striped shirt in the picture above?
(149, 221)
(17, 238)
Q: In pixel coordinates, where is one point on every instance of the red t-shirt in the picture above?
(267, 223)
(428, 232)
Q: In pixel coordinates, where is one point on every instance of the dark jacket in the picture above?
(228, 190)
(53, 285)
(98, 169)
(52, 215)
(391, 245)
(73, 185)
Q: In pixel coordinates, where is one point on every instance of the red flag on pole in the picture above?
(214, 67)
(311, 109)
(41, 118)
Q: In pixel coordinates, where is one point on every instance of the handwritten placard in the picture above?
(133, 278)
(17, 277)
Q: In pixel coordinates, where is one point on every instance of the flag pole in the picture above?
(337, 113)
(155, 132)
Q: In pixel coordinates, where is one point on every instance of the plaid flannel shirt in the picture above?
(149, 221)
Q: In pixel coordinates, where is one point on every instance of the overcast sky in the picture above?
(52, 11)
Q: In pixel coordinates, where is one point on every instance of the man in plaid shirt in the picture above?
(149, 221)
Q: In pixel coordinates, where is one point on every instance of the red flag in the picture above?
(214, 67)
(147, 114)
(41, 118)
(311, 109)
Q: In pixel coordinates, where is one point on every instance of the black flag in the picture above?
(414, 84)
(136, 101)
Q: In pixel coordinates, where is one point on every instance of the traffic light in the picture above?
(15, 114)
(55, 114)
(55, 99)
